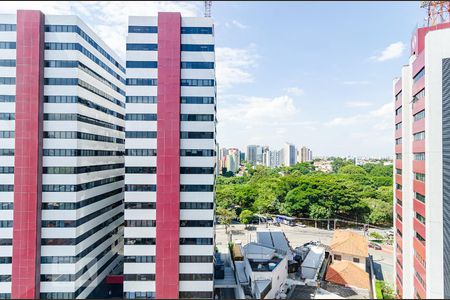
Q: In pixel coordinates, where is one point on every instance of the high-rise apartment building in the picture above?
(253, 152)
(289, 155)
(62, 106)
(233, 160)
(304, 155)
(422, 167)
(170, 157)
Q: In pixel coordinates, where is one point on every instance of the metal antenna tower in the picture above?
(208, 5)
(438, 12)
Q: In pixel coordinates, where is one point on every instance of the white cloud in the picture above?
(236, 24)
(257, 110)
(234, 66)
(358, 104)
(109, 19)
(356, 82)
(392, 51)
(295, 91)
(379, 118)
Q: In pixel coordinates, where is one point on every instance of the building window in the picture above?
(418, 96)
(398, 141)
(356, 260)
(419, 75)
(398, 156)
(142, 47)
(398, 126)
(197, 65)
(420, 218)
(398, 171)
(399, 202)
(419, 197)
(420, 136)
(419, 156)
(419, 116)
(142, 64)
(398, 111)
(420, 238)
(399, 217)
(143, 29)
(196, 30)
(398, 186)
(419, 176)
(337, 257)
(197, 47)
(398, 96)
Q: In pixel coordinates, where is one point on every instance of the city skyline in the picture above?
(260, 101)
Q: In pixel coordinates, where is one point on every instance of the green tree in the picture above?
(338, 163)
(246, 217)
(226, 215)
(352, 169)
(319, 212)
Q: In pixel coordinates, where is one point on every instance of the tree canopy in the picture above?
(361, 193)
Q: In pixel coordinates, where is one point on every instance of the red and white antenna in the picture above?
(438, 12)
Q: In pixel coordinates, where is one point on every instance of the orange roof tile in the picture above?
(348, 274)
(349, 242)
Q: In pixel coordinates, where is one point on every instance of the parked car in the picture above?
(301, 225)
(374, 246)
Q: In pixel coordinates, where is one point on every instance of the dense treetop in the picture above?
(353, 192)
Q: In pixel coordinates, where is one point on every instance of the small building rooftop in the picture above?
(349, 242)
(347, 273)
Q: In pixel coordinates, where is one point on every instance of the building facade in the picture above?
(304, 155)
(62, 106)
(254, 154)
(289, 155)
(422, 167)
(170, 157)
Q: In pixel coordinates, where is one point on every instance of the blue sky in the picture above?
(311, 73)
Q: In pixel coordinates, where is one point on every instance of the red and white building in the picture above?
(422, 167)
(170, 157)
(62, 139)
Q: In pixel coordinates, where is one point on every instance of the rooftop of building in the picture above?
(347, 273)
(263, 258)
(349, 242)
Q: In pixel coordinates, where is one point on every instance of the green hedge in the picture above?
(378, 291)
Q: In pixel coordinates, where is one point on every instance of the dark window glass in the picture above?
(196, 30)
(196, 135)
(140, 117)
(197, 117)
(141, 99)
(196, 47)
(197, 65)
(7, 27)
(142, 64)
(143, 29)
(142, 81)
(197, 100)
(7, 62)
(140, 188)
(142, 47)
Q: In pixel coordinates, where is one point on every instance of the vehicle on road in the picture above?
(374, 246)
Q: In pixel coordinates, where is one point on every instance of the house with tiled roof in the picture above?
(349, 246)
(348, 274)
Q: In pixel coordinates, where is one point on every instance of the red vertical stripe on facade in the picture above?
(168, 158)
(28, 155)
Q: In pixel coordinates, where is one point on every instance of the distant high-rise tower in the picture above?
(422, 167)
(289, 155)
